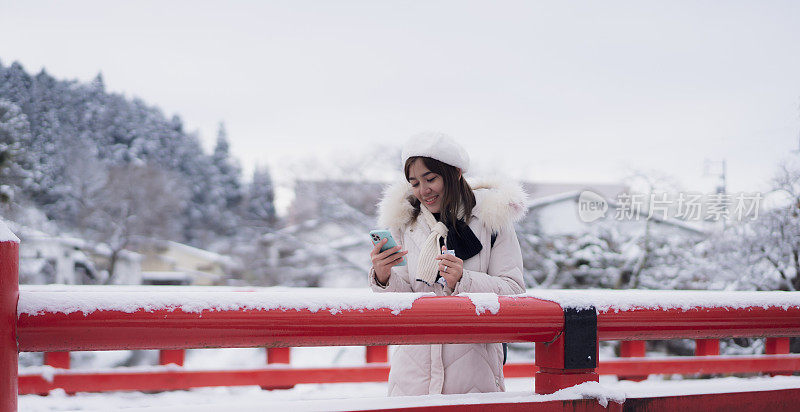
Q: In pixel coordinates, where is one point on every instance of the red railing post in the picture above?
(167, 356)
(571, 358)
(9, 293)
(278, 356)
(552, 374)
(706, 347)
(377, 354)
(57, 359)
(633, 349)
(777, 346)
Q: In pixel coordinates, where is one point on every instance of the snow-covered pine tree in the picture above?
(15, 85)
(72, 124)
(214, 207)
(228, 171)
(14, 131)
(259, 201)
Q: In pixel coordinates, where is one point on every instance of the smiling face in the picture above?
(427, 186)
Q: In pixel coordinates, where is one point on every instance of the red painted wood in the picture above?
(630, 349)
(432, 320)
(775, 346)
(548, 381)
(706, 347)
(279, 355)
(550, 354)
(57, 359)
(698, 323)
(767, 401)
(552, 376)
(687, 365)
(9, 292)
(273, 378)
(377, 354)
(518, 320)
(633, 349)
(519, 370)
(167, 356)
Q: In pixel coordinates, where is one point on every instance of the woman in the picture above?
(434, 211)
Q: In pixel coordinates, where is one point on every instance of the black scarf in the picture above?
(461, 239)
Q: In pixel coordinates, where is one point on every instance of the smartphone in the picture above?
(378, 235)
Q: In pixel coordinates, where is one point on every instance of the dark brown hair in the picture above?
(456, 190)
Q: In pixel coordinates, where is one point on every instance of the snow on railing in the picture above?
(156, 321)
(130, 299)
(605, 300)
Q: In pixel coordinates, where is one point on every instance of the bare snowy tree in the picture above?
(760, 254)
(135, 201)
(777, 232)
(647, 183)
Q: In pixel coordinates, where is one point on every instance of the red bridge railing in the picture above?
(429, 320)
(566, 338)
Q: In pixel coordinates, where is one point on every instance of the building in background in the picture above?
(47, 259)
(173, 263)
(554, 207)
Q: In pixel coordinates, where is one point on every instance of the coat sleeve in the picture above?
(398, 280)
(504, 275)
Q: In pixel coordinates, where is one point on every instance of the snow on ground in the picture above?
(308, 397)
(345, 396)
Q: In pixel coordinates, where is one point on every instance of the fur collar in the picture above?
(498, 203)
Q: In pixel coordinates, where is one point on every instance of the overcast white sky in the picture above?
(556, 91)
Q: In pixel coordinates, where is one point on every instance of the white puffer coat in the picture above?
(455, 368)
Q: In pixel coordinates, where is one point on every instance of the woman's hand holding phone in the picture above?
(382, 262)
(450, 267)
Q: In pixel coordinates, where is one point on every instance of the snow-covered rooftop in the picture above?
(201, 253)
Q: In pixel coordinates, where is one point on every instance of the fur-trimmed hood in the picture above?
(498, 202)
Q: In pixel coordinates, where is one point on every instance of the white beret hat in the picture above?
(438, 146)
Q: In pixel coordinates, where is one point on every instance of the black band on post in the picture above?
(580, 338)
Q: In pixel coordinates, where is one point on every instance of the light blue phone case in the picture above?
(378, 235)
